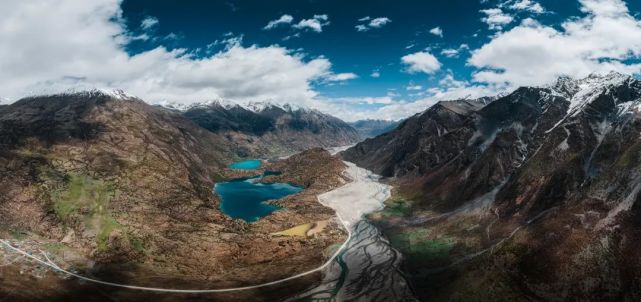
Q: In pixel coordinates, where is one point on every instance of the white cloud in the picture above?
(148, 22)
(414, 87)
(395, 109)
(528, 5)
(296, 35)
(496, 18)
(378, 100)
(373, 23)
(604, 8)
(85, 41)
(339, 77)
(423, 62)
(437, 31)
(284, 19)
(450, 82)
(379, 22)
(316, 23)
(375, 74)
(535, 54)
(361, 27)
(454, 52)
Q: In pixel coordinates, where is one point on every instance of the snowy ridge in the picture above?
(262, 106)
(93, 92)
(216, 102)
(256, 107)
(583, 92)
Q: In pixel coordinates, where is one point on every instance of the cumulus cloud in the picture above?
(339, 77)
(85, 41)
(375, 74)
(535, 54)
(437, 31)
(398, 109)
(284, 19)
(379, 22)
(496, 18)
(528, 5)
(373, 23)
(316, 23)
(149, 22)
(422, 61)
(454, 52)
(361, 27)
(366, 100)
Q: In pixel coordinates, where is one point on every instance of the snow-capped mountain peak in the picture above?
(215, 102)
(256, 107)
(583, 91)
(262, 106)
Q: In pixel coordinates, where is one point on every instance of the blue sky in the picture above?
(354, 59)
(199, 23)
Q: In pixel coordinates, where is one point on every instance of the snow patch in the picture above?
(584, 91)
(624, 205)
(564, 144)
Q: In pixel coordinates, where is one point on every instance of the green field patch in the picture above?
(417, 244)
(137, 245)
(396, 208)
(87, 200)
(106, 226)
(331, 250)
(18, 235)
(54, 247)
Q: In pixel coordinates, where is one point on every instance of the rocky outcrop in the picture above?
(532, 194)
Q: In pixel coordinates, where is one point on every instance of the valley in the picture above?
(125, 204)
(320, 151)
(142, 203)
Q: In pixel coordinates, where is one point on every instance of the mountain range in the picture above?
(114, 188)
(273, 130)
(532, 196)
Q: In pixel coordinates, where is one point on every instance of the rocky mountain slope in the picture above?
(114, 188)
(273, 130)
(532, 196)
(372, 128)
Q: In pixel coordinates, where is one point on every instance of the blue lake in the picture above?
(244, 197)
(246, 165)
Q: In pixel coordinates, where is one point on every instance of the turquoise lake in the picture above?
(246, 165)
(244, 197)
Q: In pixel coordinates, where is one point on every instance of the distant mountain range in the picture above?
(544, 181)
(372, 128)
(273, 129)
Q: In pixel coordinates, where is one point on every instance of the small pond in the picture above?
(247, 165)
(244, 198)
